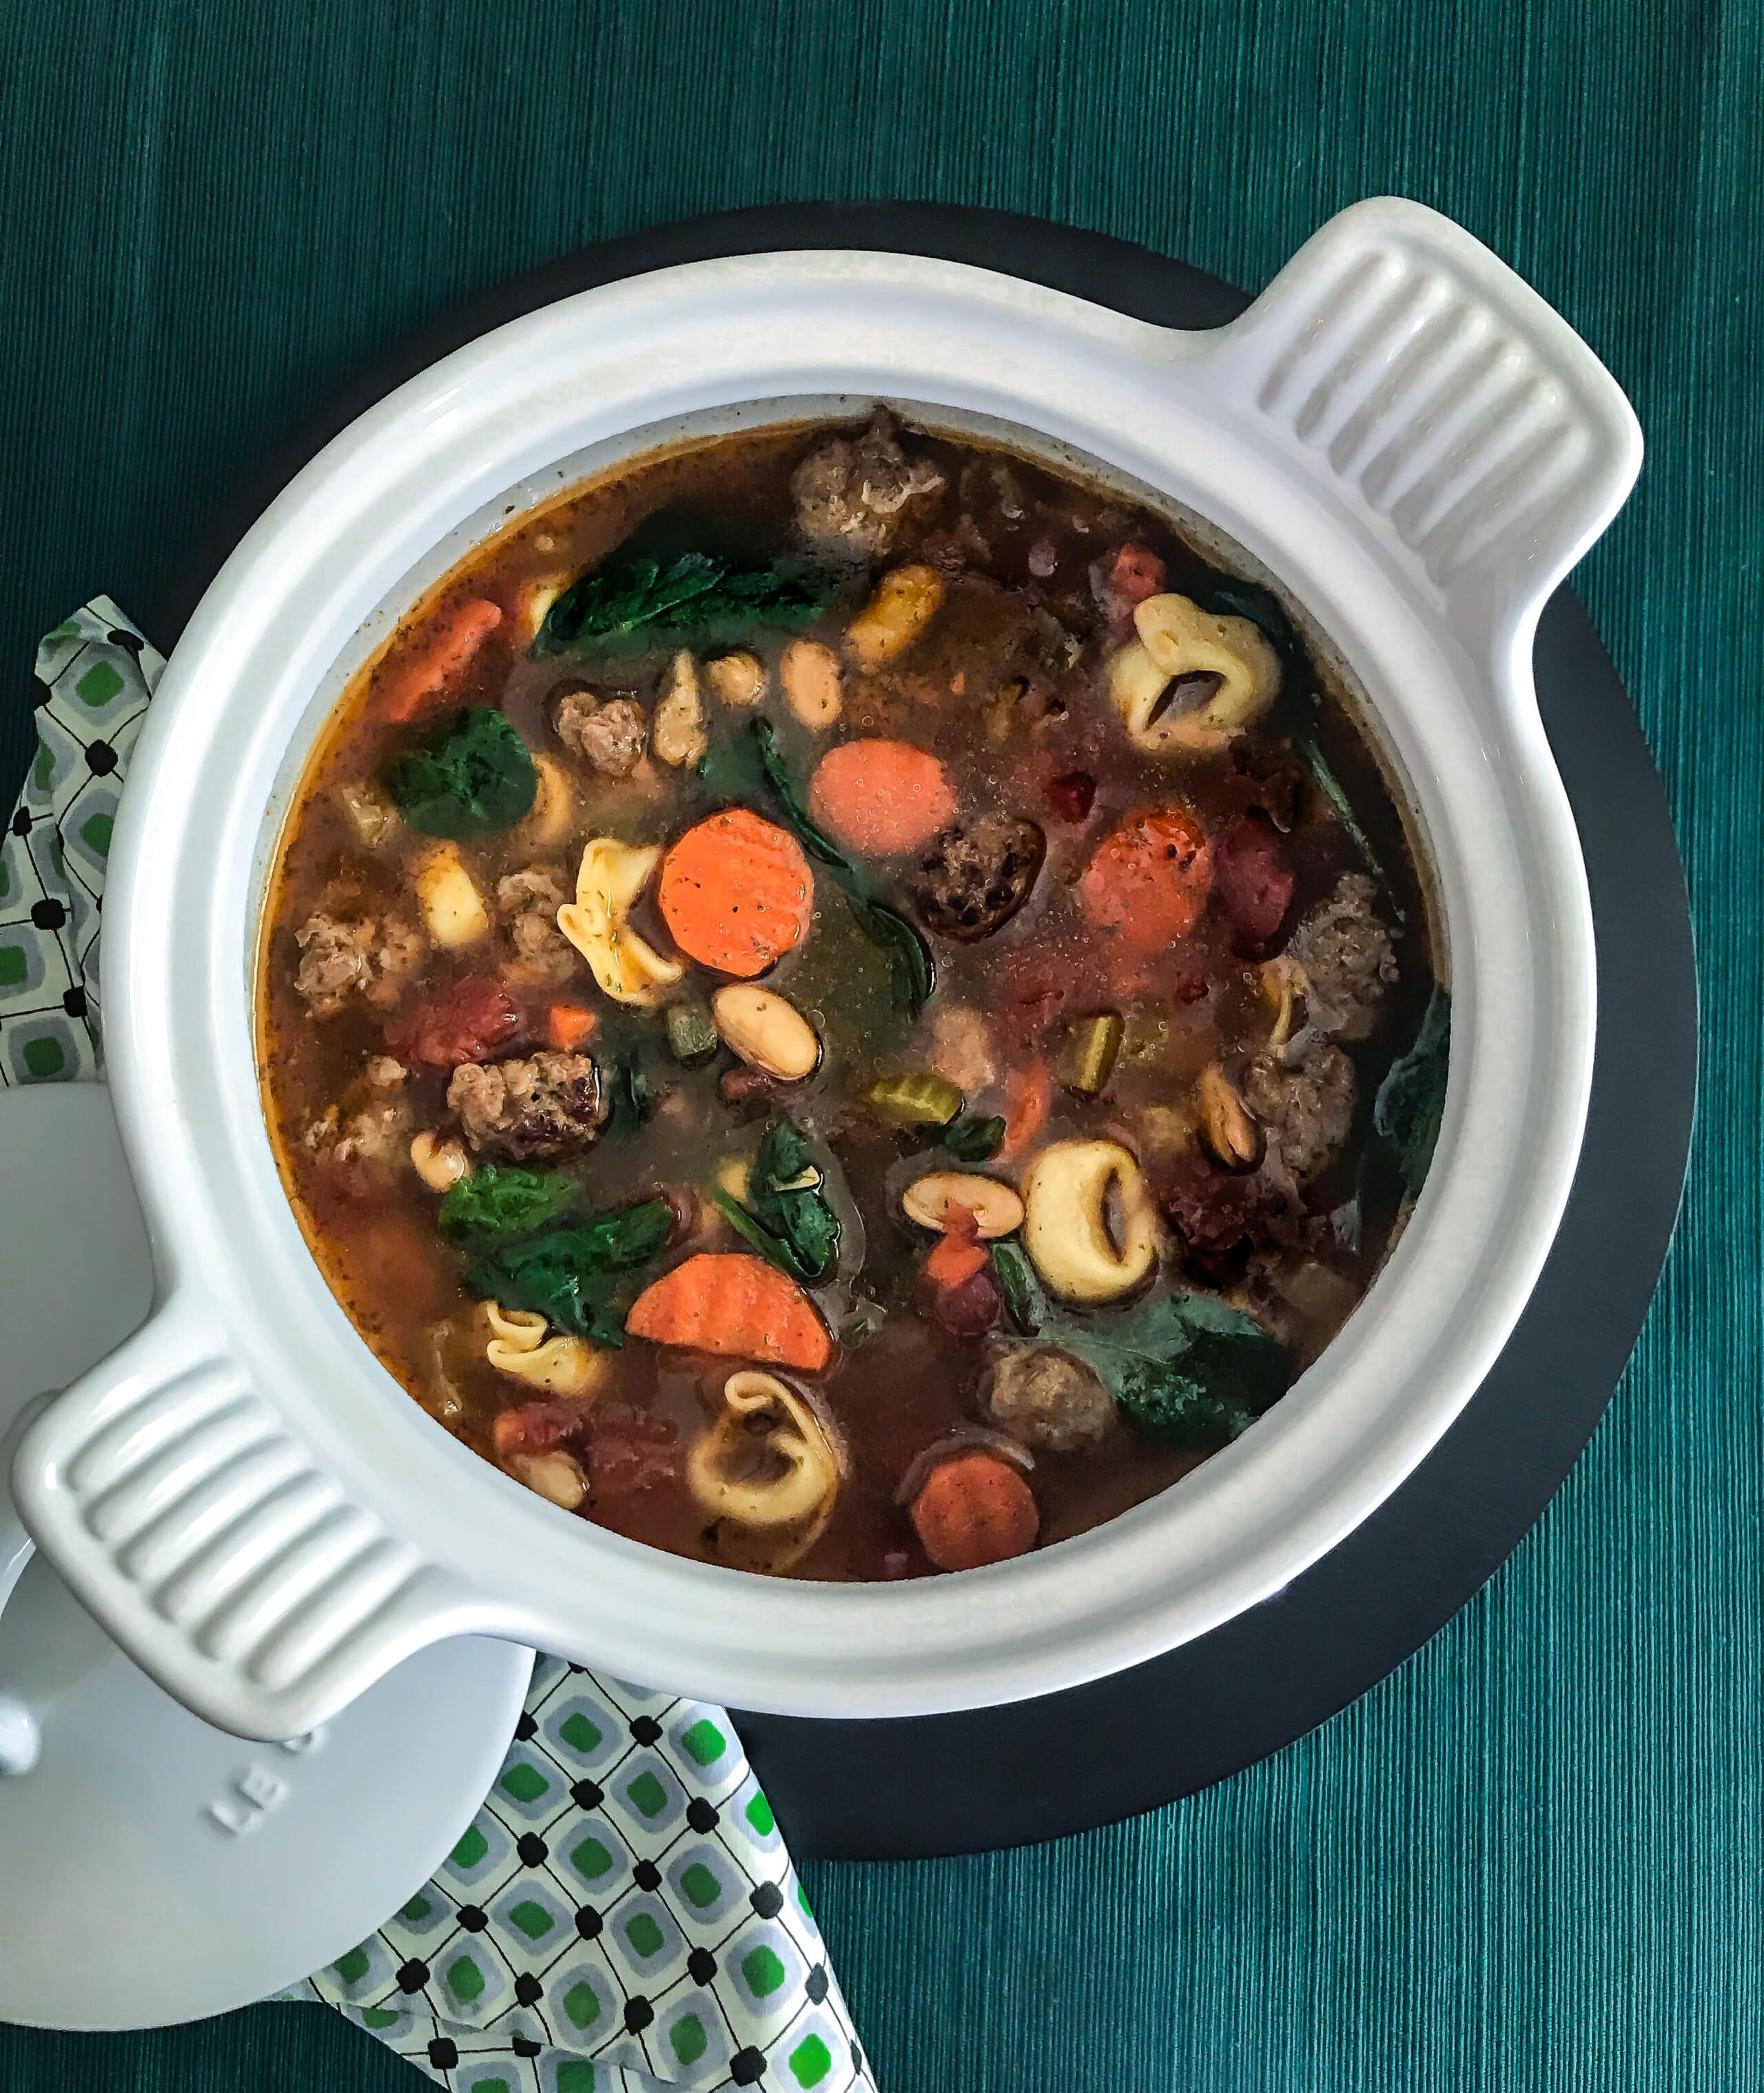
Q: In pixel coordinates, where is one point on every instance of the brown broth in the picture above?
(371, 1225)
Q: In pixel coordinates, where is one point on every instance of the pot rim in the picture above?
(1438, 629)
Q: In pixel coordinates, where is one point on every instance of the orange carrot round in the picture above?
(736, 893)
(451, 642)
(1150, 878)
(974, 1509)
(735, 1305)
(881, 797)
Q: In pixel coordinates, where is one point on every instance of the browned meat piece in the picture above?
(973, 879)
(612, 736)
(374, 1136)
(342, 956)
(550, 1105)
(961, 1048)
(1221, 1217)
(1046, 1397)
(398, 953)
(1301, 1300)
(1307, 1101)
(849, 495)
(333, 962)
(961, 549)
(528, 901)
(1348, 962)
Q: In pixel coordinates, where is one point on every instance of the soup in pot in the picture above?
(846, 1004)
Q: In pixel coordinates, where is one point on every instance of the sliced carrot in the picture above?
(447, 648)
(736, 893)
(569, 1026)
(1150, 878)
(1029, 1098)
(975, 1509)
(881, 797)
(956, 1255)
(733, 1304)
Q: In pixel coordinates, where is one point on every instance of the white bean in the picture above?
(813, 685)
(451, 906)
(996, 1208)
(767, 1031)
(905, 602)
(736, 679)
(439, 1163)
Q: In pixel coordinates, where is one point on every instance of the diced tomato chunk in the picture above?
(972, 1308)
(1072, 794)
(629, 1449)
(466, 1021)
(1252, 880)
(531, 1428)
(1135, 573)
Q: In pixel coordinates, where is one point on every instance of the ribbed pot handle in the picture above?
(1397, 359)
(227, 1563)
(20, 1740)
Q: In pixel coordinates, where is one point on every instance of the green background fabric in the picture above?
(1532, 1858)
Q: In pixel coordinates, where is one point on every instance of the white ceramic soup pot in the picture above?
(1398, 430)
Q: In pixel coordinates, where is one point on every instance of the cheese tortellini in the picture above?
(611, 877)
(570, 1367)
(770, 1491)
(1089, 1226)
(1190, 681)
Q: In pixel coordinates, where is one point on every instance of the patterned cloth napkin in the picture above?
(622, 1916)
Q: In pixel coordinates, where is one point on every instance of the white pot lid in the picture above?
(156, 1869)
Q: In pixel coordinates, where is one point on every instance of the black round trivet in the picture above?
(1037, 1769)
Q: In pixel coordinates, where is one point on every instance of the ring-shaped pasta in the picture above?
(769, 1550)
(610, 878)
(720, 1470)
(553, 808)
(1236, 676)
(569, 1367)
(1082, 1250)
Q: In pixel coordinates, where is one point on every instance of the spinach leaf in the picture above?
(786, 1218)
(1024, 1300)
(695, 596)
(910, 964)
(1186, 1367)
(474, 777)
(1330, 787)
(813, 839)
(857, 1330)
(974, 1140)
(909, 958)
(634, 1094)
(1411, 1102)
(578, 1278)
(1230, 595)
(748, 1229)
(785, 1198)
(500, 1199)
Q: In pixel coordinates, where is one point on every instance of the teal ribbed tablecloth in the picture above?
(1535, 1858)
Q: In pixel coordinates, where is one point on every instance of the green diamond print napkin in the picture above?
(622, 1916)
